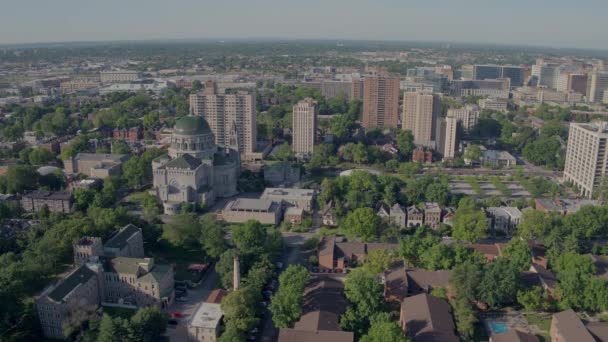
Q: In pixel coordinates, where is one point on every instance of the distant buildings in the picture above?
(120, 76)
(493, 88)
(447, 137)
(282, 173)
(380, 101)
(331, 89)
(513, 73)
(597, 86)
(420, 111)
(493, 104)
(95, 165)
(154, 86)
(504, 219)
(304, 128)
(563, 206)
(586, 158)
(231, 117)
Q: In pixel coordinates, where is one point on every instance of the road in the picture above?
(292, 255)
(187, 309)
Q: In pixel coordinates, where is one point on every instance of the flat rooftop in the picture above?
(207, 315)
(291, 193)
(252, 204)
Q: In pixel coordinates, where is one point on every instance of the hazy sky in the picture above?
(563, 23)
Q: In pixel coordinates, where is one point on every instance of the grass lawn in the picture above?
(542, 322)
(180, 257)
(137, 197)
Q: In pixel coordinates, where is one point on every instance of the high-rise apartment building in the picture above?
(356, 90)
(304, 128)
(467, 115)
(597, 84)
(231, 117)
(451, 137)
(380, 101)
(586, 157)
(420, 111)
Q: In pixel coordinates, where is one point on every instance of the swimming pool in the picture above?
(497, 327)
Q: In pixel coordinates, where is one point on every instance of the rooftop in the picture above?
(428, 319)
(252, 204)
(192, 125)
(207, 315)
(323, 303)
(291, 193)
(120, 239)
(185, 161)
(293, 335)
(48, 195)
(106, 157)
(514, 336)
(571, 327)
(80, 276)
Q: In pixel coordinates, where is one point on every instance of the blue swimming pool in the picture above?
(497, 327)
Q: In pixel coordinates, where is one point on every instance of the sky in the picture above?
(553, 23)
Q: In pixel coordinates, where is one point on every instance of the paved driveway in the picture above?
(179, 333)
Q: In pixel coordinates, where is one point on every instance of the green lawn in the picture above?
(180, 257)
(137, 197)
(542, 322)
(119, 312)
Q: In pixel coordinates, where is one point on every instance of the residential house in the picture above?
(514, 335)
(341, 255)
(323, 305)
(415, 216)
(504, 219)
(55, 201)
(427, 318)
(432, 215)
(566, 326)
(328, 216)
(206, 323)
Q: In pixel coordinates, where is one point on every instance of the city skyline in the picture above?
(546, 23)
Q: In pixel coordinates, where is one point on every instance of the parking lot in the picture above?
(187, 308)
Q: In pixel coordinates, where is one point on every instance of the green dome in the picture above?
(192, 125)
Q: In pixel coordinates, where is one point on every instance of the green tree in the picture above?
(383, 329)
(286, 305)
(465, 317)
(120, 147)
(405, 143)
(518, 253)
(378, 260)
(18, 179)
(240, 311)
(283, 152)
(107, 329)
(533, 224)
(499, 283)
(532, 299)
(438, 192)
(83, 198)
(364, 294)
(362, 223)
(212, 236)
(184, 230)
(472, 153)
(249, 237)
(148, 324)
(470, 223)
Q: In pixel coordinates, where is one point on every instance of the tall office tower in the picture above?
(451, 137)
(304, 127)
(547, 75)
(467, 116)
(231, 117)
(577, 83)
(380, 101)
(586, 157)
(514, 73)
(484, 72)
(420, 110)
(597, 84)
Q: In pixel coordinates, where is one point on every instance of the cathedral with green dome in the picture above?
(195, 170)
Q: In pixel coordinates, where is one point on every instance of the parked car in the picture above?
(176, 314)
(173, 322)
(181, 299)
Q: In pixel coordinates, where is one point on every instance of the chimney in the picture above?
(236, 280)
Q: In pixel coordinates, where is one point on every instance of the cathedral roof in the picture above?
(186, 161)
(192, 125)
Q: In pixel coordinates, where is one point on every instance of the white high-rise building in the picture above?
(597, 84)
(586, 157)
(231, 117)
(304, 128)
(451, 137)
(467, 116)
(420, 111)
